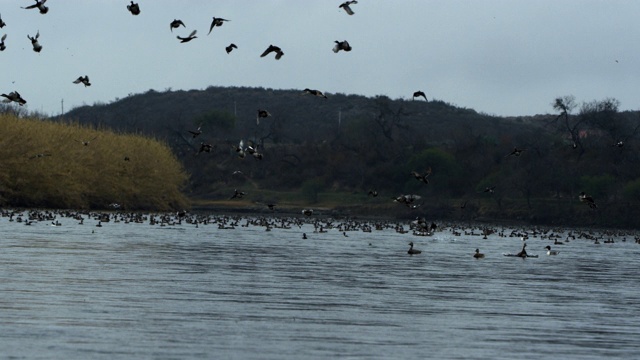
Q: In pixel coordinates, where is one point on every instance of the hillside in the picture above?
(346, 145)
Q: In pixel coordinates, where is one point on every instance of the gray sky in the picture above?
(502, 57)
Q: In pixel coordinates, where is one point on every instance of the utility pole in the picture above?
(61, 106)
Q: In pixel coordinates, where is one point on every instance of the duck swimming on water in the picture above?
(413, 251)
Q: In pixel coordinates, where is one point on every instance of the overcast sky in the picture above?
(502, 57)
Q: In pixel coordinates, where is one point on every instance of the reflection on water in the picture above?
(128, 290)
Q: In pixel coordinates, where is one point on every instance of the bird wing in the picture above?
(269, 49)
(213, 24)
(78, 80)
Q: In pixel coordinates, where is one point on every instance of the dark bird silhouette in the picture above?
(478, 254)
(315, 93)
(418, 94)
(205, 148)
(422, 177)
(373, 193)
(271, 206)
(230, 47)
(345, 6)
(341, 45)
(134, 8)
(253, 151)
(195, 133)
(587, 199)
(84, 80)
(515, 152)
(489, 189)
(408, 200)
(40, 6)
(241, 150)
(262, 114)
(275, 49)
(307, 212)
(237, 194)
(2, 45)
(216, 22)
(188, 38)
(2, 23)
(175, 24)
(413, 251)
(15, 97)
(34, 42)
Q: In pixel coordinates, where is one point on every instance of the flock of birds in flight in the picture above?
(241, 149)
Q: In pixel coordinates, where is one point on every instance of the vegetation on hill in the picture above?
(57, 165)
(333, 151)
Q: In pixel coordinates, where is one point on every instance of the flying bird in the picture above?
(253, 150)
(262, 114)
(341, 45)
(134, 8)
(230, 47)
(515, 152)
(39, 5)
(205, 148)
(587, 199)
(275, 49)
(86, 143)
(489, 189)
(345, 6)
(315, 92)
(14, 96)
(175, 24)
(237, 194)
(422, 177)
(84, 80)
(216, 22)
(188, 38)
(195, 133)
(418, 94)
(241, 150)
(2, 23)
(372, 192)
(34, 42)
(2, 45)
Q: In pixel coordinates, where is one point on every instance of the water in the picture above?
(140, 291)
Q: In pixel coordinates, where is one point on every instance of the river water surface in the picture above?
(141, 291)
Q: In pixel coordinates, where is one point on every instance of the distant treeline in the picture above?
(59, 165)
(347, 145)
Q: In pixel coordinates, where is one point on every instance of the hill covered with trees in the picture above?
(333, 151)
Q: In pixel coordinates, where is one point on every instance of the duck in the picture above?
(478, 254)
(372, 193)
(346, 6)
(420, 93)
(2, 45)
(86, 142)
(515, 152)
(175, 24)
(134, 8)
(587, 199)
(314, 92)
(421, 177)
(14, 96)
(307, 212)
(84, 80)
(341, 45)
(216, 22)
(205, 148)
(262, 114)
(241, 150)
(40, 6)
(413, 251)
(408, 200)
(2, 23)
(275, 49)
(34, 42)
(523, 252)
(551, 252)
(237, 194)
(188, 38)
(253, 151)
(195, 133)
(230, 47)
(489, 189)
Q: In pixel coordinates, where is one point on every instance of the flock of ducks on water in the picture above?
(418, 227)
